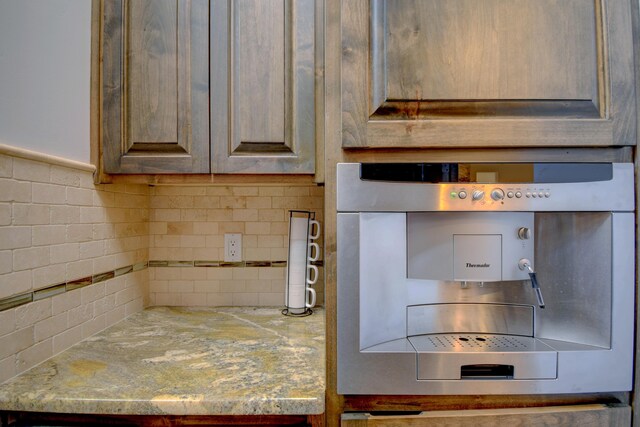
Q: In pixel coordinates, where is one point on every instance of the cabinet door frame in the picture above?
(614, 415)
(296, 153)
(362, 95)
(190, 152)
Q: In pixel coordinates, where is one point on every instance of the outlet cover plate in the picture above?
(232, 247)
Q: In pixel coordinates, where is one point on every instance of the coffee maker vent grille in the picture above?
(478, 342)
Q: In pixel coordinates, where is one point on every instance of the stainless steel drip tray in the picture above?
(483, 356)
(477, 343)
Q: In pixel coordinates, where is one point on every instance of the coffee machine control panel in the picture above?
(498, 194)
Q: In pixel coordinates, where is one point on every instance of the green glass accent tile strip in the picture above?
(179, 263)
(232, 264)
(49, 292)
(278, 263)
(258, 264)
(123, 270)
(158, 263)
(208, 263)
(60, 288)
(79, 283)
(14, 301)
(140, 266)
(97, 278)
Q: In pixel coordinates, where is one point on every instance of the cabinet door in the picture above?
(262, 86)
(593, 415)
(447, 73)
(155, 86)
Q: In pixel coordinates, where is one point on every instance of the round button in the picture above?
(477, 195)
(534, 195)
(524, 233)
(528, 195)
(541, 194)
(518, 194)
(462, 194)
(547, 195)
(497, 194)
(510, 194)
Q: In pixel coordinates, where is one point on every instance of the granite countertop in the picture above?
(184, 361)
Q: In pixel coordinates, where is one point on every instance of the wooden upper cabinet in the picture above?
(492, 73)
(262, 86)
(155, 86)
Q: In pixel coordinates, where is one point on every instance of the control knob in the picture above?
(524, 233)
(497, 194)
(477, 195)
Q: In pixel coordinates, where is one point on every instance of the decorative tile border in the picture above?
(200, 263)
(60, 288)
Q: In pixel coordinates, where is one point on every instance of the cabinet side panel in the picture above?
(110, 115)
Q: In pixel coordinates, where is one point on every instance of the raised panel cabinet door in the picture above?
(262, 86)
(487, 73)
(155, 86)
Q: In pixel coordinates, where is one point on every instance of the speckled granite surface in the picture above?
(184, 361)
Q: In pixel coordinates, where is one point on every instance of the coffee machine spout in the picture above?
(525, 264)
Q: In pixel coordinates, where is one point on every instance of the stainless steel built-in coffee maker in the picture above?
(485, 278)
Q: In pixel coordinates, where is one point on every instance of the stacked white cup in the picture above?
(300, 296)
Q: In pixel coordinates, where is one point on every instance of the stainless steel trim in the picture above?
(470, 318)
(355, 195)
(441, 356)
(355, 368)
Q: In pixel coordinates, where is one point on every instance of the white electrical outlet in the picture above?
(233, 247)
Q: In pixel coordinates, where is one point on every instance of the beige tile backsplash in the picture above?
(189, 223)
(56, 226)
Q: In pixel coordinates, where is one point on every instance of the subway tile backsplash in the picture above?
(60, 247)
(187, 227)
(71, 252)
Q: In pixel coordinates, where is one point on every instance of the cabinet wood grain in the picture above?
(199, 87)
(464, 73)
(259, 31)
(43, 418)
(153, 76)
(577, 415)
(262, 86)
(487, 50)
(154, 86)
